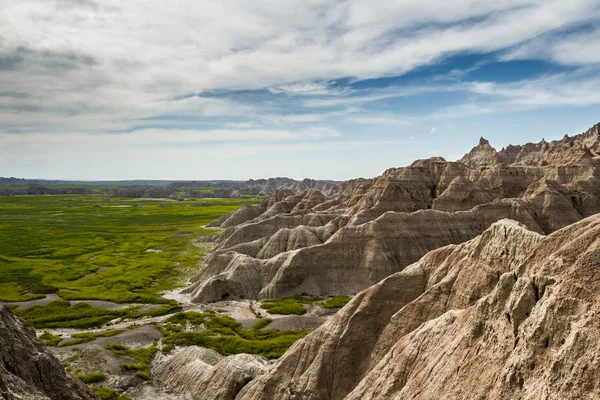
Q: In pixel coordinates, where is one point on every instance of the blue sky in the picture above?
(225, 89)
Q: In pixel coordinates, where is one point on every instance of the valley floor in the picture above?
(100, 280)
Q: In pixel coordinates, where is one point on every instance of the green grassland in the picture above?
(57, 244)
(295, 305)
(62, 314)
(226, 336)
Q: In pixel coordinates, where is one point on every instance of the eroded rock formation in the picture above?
(27, 368)
(510, 314)
(200, 373)
(310, 243)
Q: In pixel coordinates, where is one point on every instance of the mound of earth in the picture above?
(195, 372)
(315, 244)
(27, 368)
(510, 314)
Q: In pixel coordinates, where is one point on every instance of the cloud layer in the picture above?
(265, 72)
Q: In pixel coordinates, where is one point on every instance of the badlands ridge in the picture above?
(312, 244)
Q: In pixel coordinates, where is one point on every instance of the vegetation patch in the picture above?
(225, 335)
(62, 314)
(94, 377)
(295, 305)
(335, 302)
(50, 339)
(140, 358)
(92, 248)
(105, 393)
(262, 323)
(287, 306)
(85, 337)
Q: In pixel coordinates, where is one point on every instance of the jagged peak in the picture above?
(483, 141)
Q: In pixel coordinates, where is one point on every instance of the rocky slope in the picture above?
(27, 368)
(196, 372)
(311, 243)
(510, 314)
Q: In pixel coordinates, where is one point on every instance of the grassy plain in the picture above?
(91, 247)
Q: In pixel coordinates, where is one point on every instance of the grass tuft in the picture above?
(85, 337)
(335, 302)
(94, 377)
(262, 323)
(140, 358)
(105, 393)
(50, 339)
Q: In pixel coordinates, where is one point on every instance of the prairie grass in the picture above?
(85, 337)
(50, 339)
(91, 247)
(225, 335)
(140, 358)
(94, 377)
(262, 323)
(295, 305)
(104, 393)
(62, 314)
(335, 302)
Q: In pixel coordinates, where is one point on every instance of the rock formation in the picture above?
(510, 314)
(28, 370)
(311, 243)
(196, 372)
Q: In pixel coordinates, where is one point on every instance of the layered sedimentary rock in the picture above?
(510, 314)
(310, 243)
(199, 373)
(27, 368)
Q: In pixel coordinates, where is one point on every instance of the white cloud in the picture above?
(162, 137)
(84, 68)
(311, 89)
(432, 130)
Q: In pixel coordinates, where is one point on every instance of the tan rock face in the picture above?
(310, 243)
(195, 372)
(28, 370)
(510, 314)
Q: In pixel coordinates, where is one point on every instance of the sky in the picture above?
(336, 89)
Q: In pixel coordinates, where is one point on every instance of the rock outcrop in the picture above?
(311, 243)
(27, 368)
(510, 314)
(197, 373)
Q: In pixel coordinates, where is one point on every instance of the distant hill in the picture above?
(163, 189)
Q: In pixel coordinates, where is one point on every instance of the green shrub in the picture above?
(49, 339)
(335, 302)
(94, 377)
(144, 374)
(262, 323)
(104, 392)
